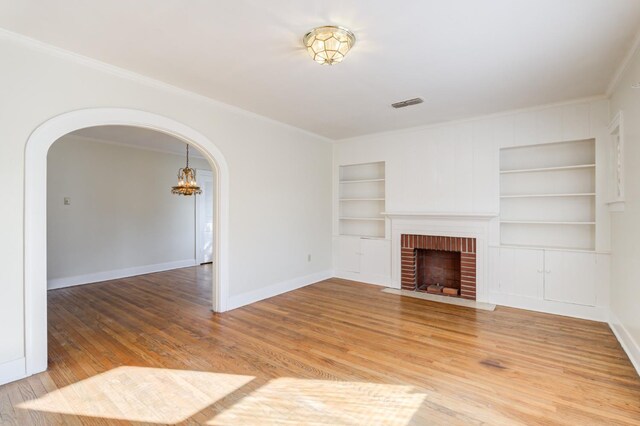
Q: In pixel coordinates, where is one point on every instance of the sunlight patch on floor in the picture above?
(322, 402)
(154, 395)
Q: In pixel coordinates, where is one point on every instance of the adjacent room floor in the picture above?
(148, 349)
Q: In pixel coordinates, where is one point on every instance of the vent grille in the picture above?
(408, 102)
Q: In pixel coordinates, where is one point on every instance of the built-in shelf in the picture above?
(549, 169)
(361, 198)
(443, 215)
(361, 180)
(543, 222)
(582, 194)
(369, 237)
(548, 195)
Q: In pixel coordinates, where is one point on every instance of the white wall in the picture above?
(279, 176)
(625, 229)
(454, 167)
(122, 214)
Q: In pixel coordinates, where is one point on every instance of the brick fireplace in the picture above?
(427, 260)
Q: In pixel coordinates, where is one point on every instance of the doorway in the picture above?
(36, 211)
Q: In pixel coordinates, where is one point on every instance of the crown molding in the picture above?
(495, 115)
(123, 73)
(622, 67)
(132, 146)
(158, 84)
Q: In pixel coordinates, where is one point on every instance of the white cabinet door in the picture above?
(347, 254)
(570, 277)
(521, 272)
(376, 258)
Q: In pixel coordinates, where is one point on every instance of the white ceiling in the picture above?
(137, 137)
(465, 57)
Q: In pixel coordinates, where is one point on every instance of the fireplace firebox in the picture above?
(439, 264)
(438, 269)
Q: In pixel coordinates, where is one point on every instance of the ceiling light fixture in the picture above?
(329, 45)
(186, 181)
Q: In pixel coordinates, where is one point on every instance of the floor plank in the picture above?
(148, 350)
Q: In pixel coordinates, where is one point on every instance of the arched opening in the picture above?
(37, 147)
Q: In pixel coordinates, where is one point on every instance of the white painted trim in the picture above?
(462, 226)
(192, 153)
(616, 163)
(115, 274)
(630, 346)
(140, 78)
(624, 64)
(278, 288)
(440, 215)
(199, 205)
(35, 211)
(506, 113)
(12, 371)
(158, 84)
(594, 313)
(380, 280)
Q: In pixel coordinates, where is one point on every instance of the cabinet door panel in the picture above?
(507, 273)
(521, 272)
(570, 277)
(347, 254)
(376, 257)
(529, 274)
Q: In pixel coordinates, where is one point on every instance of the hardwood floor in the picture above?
(148, 350)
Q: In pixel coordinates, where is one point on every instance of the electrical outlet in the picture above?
(308, 258)
(67, 201)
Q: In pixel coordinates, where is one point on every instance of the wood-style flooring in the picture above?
(148, 350)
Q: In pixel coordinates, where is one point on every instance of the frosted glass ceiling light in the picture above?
(187, 184)
(329, 45)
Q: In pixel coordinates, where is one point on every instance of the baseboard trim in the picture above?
(57, 283)
(629, 345)
(593, 313)
(13, 370)
(381, 280)
(250, 297)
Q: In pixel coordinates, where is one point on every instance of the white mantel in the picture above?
(445, 224)
(441, 215)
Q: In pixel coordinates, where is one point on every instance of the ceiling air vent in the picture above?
(408, 102)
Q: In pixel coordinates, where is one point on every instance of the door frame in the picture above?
(198, 201)
(35, 211)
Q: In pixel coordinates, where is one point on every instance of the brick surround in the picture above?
(465, 246)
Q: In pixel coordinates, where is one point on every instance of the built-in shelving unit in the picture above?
(361, 180)
(548, 169)
(585, 194)
(547, 195)
(362, 200)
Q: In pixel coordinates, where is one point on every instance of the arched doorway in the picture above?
(35, 208)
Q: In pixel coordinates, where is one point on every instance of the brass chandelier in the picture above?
(187, 184)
